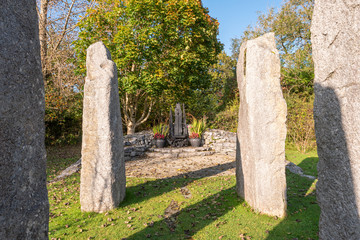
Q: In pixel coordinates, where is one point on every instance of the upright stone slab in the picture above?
(335, 39)
(103, 167)
(24, 206)
(260, 155)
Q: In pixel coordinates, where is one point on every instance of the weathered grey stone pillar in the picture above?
(260, 157)
(335, 39)
(24, 206)
(103, 167)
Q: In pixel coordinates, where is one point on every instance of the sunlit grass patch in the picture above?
(184, 208)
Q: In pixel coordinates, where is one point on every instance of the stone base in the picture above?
(178, 142)
(179, 152)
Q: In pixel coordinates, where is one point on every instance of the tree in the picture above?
(57, 31)
(159, 47)
(291, 25)
(292, 31)
(224, 79)
(57, 24)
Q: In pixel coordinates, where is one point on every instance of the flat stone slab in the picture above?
(178, 150)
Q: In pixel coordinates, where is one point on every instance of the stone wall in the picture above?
(218, 141)
(137, 144)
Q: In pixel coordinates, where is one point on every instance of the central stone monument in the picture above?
(178, 132)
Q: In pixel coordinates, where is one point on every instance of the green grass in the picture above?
(212, 212)
(307, 161)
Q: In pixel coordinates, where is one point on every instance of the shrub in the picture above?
(228, 119)
(300, 122)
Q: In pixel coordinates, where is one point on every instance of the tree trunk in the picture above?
(130, 128)
(130, 108)
(42, 34)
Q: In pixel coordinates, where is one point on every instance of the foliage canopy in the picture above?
(159, 46)
(291, 25)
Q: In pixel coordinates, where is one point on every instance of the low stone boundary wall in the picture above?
(137, 144)
(220, 141)
(216, 140)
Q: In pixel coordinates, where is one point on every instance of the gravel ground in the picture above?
(194, 167)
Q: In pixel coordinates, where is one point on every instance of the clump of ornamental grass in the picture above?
(160, 131)
(197, 128)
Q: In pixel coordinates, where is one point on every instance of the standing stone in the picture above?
(260, 157)
(335, 39)
(103, 167)
(24, 205)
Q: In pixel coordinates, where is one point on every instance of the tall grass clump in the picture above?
(197, 128)
(161, 129)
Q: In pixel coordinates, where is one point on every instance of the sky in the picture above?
(235, 15)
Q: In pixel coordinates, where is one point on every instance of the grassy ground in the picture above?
(184, 208)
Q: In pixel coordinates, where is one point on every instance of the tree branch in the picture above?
(143, 118)
(65, 25)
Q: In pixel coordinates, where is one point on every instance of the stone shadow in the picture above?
(302, 210)
(181, 223)
(184, 223)
(146, 194)
(309, 166)
(336, 194)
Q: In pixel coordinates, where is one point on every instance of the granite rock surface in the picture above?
(103, 179)
(24, 205)
(260, 155)
(335, 39)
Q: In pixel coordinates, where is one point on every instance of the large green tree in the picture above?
(291, 25)
(159, 46)
(224, 79)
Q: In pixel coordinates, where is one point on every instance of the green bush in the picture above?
(228, 119)
(65, 132)
(300, 122)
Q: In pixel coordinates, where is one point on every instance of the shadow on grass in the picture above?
(150, 189)
(303, 213)
(186, 222)
(145, 191)
(309, 166)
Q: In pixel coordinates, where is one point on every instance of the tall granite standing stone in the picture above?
(335, 39)
(24, 205)
(260, 156)
(103, 167)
